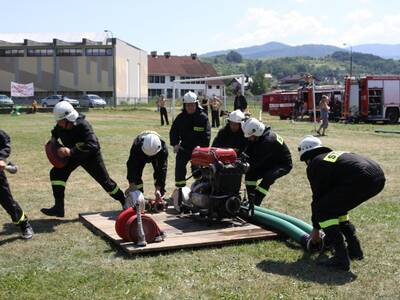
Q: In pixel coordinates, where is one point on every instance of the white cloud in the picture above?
(386, 30)
(359, 15)
(48, 36)
(263, 25)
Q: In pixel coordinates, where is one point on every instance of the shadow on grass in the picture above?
(39, 226)
(306, 269)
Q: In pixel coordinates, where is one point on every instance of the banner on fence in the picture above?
(22, 90)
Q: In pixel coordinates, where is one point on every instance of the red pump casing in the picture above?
(204, 156)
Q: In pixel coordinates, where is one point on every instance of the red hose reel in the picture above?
(127, 228)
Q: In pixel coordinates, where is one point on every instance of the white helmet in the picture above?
(237, 116)
(252, 127)
(134, 198)
(151, 144)
(308, 143)
(64, 110)
(190, 97)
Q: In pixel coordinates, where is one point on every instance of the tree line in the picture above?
(328, 69)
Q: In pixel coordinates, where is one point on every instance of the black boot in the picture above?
(56, 211)
(340, 260)
(26, 230)
(353, 243)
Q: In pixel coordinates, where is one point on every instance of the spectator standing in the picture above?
(163, 110)
(324, 114)
(215, 105)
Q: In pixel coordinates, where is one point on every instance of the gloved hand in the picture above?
(3, 164)
(158, 196)
(64, 152)
(177, 148)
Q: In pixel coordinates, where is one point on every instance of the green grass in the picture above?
(66, 260)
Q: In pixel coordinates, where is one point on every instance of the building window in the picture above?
(210, 87)
(98, 52)
(154, 93)
(69, 52)
(156, 79)
(171, 78)
(217, 87)
(12, 52)
(40, 52)
(169, 93)
(183, 92)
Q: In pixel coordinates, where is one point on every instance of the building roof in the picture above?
(179, 66)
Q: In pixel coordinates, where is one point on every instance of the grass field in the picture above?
(66, 260)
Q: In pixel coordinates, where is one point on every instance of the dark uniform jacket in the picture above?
(138, 159)
(268, 152)
(80, 138)
(226, 138)
(331, 169)
(191, 130)
(5, 147)
(240, 103)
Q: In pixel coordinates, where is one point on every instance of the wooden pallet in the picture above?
(183, 231)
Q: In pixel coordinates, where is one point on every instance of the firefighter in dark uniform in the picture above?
(190, 129)
(148, 147)
(80, 145)
(269, 159)
(6, 199)
(340, 181)
(231, 136)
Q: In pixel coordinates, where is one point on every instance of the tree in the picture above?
(234, 56)
(260, 84)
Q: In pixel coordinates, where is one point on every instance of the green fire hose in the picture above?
(282, 225)
(297, 222)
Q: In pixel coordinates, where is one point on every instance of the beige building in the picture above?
(113, 69)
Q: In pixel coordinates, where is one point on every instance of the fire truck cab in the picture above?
(372, 98)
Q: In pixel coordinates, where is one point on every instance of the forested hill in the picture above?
(336, 65)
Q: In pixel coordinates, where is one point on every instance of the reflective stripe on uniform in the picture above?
(114, 191)
(333, 156)
(79, 146)
(250, 183)
(198, 129)
(328, 223)
(58, 182)
(181, 183)
(262, 190)
(23, 217)
(344, 218)
(139, 186)
(279, 139)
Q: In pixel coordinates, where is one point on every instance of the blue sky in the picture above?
(183, 27)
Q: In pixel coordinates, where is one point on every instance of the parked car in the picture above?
(5, 101)
(93, 100)
(54, 99)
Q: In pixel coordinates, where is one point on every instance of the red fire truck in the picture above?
(372, 98)
(281, 103)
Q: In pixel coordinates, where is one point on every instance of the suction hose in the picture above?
(297, 222)
(284, 226)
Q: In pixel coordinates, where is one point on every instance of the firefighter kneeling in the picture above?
(269, 159)
(340, 181)
(148, 147)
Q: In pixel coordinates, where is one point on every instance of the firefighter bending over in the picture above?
(82, 148)
(231, 136)
(6, 199)
(340, 181)
(148, 147)
(269, 159)
(191, 128)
